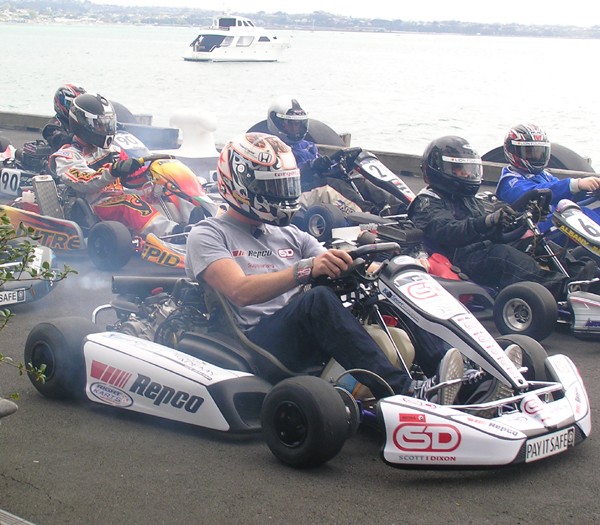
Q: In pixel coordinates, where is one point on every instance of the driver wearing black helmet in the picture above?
(456, 224)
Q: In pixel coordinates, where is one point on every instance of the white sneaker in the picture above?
(451, 367)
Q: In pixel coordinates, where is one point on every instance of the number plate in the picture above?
(12, 296)
(550, 444)
(10, 181)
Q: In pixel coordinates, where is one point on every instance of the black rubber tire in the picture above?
(321, 219)
(58, 345)
(526, 308)
(109, 245)
(304, 421)
(534, 355)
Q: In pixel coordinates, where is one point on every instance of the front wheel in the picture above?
(109, 245)
(321, 219)
(526, 308)
(304, 421)
(58, 346)
(534, 355)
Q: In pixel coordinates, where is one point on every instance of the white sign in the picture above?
(12, 296)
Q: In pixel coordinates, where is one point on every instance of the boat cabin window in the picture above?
(206, 43)
(264, 39)
(245, 41)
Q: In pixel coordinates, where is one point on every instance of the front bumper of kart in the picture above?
(549, 419)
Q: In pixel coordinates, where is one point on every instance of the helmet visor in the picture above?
(467, 169)
(277, 185)
(103, 124)
(535, 152)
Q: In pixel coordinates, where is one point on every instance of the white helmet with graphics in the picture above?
(258, 176)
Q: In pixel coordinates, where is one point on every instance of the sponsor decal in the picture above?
(155, 255)
(12, 296)
(592, 323)
(252, 253)
(110, 395)
(165, 395)
(420, 418)
(109, 374)
(285, 253)
(418, 437)
(549, 445)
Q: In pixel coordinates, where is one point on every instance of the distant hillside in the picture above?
(47, 10)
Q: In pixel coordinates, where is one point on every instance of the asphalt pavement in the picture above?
(79, 463)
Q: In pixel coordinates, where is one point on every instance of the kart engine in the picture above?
(162, 317)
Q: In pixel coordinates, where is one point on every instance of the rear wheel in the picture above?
(321, 219)
(58, 346)
(109, 245)
(526, 308)
(305, 422)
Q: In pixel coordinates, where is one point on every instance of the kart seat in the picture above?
(81, 212)
(264, 362)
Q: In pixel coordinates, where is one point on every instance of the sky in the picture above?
(555, 12)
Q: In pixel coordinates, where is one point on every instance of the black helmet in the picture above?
(452, 166)
(287, 120)
(93, 120)
(527, 148)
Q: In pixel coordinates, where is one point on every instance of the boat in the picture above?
(237, 39)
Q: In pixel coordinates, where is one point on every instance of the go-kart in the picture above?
(580, 307)
(65, 222)
(175, 352)
(26, 282)
(353, 166)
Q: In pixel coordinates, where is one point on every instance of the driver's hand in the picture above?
(321, 164)
(122, 168)
(591, 183)
(502, 217)
(332, 263)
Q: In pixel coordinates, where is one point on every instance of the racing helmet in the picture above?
(92, 119)
(451, 165)
(63, 98)
(527, 148)
(287, 120)
(258, 176)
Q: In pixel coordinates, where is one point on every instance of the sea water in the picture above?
(391, 91)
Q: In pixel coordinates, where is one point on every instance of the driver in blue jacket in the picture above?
(287, 120)
(527, 150)
(260, 264)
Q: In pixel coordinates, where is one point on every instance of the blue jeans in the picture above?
(314, 327)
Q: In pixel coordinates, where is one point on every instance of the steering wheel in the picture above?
(140, 177)
(362, 258)
(536, 202)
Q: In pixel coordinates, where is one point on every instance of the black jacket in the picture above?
(450, 223)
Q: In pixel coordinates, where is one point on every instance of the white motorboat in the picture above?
(237, 39)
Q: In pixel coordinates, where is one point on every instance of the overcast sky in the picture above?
(567, 12)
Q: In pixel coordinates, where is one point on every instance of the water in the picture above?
(393, 92)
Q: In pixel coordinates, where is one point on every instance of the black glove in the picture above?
(502, 217)
(122, 168)
(321, 164)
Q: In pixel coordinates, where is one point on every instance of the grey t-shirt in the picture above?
(256, 250)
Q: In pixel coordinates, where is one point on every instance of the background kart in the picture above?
(26, 284)
(65, 222)
(216, 378)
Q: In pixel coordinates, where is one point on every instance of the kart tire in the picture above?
(58, 345)
(526, 308)
(109, 245)
(304, 421)
(534, 355)
(321, 219)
